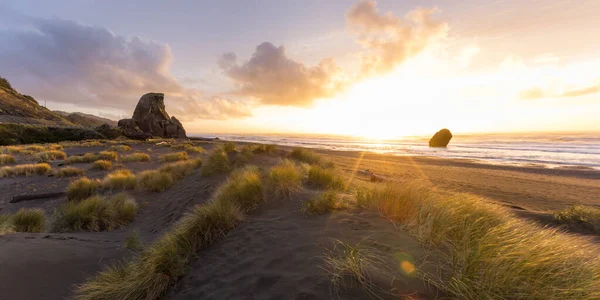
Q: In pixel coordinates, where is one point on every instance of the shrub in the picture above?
(324, 178)
(181, 169)
(177, 156)
(580, 217)
(119, 148)
(487, 252)
(150, 274)
(155, 181)
(108, 155)
(82, 188)
(322, 203)
(6, 159)
(25, 170)
(218, 162)
(50, 155)
(69, 172)
(306, 156)
(120, 180)
(135, 157)
(102, 165)
(284, 180)
(95, 214)
(29, 220)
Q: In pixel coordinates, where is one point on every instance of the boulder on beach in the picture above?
(441, 138)
(150, 119)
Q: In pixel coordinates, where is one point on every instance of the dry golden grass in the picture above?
(149, 275)
(580, 217)
(321, 204)
(102, 165)
(135, 157)
(177, 156)
(119, 148)
(218, 162)
(6, 225)
(95, 214)
(284, 180)
(26, 220)
(80, 159)
(486, 252)
(229, 147)
(34, 148)
(6, 159)
(194, 149)
(181, 169)
(82, 144)
(108, 155)
(50, 155)
(120, 180)
(324, 178)
(82, 188)
(305, 155)
(69, 172)
(25, 170)
(155, 181)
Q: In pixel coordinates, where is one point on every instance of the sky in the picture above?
(379, 69)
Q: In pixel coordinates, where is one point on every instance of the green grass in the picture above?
(135, 157)
(69, 172)
(154, 270)
(177, 156)
(321, 204)
(25, 170)
(485, 251)
(305, 155)
(284, 180)
(28, 220)
(133, 243)
(82, 188)
(324, 178)
(50, 155)
(155, 181)
(102, 165)
(95, 214)
(119, 148)
(217, 162)
(6, 225)
(580, 217)
(120, 180)
(6, 159)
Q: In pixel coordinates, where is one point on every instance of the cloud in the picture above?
(539, 93)
(274, 79)
(390, 40)
(532, 94)
(582, 92)
(67, 62)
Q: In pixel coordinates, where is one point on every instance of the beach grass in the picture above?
(149, 275)
(486, 252)
(217, 162)
(135, 157)
(194, 149)
(322, 203)
(181, 169)
(28, 220)
(50, 155)
(305, 155)
(155, 181)
(229, 147)
(25, 170)
(6, 159)
(119, 148)
(102, 165)
(80, 159)
(108, 155)
(82, 188)
(177, 156)
(69, 172)
(121, 179)
(284, 180)
(579, 217)
(95, 214)
(323, 178)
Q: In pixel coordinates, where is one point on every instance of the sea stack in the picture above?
(150, 119)
(441, 138)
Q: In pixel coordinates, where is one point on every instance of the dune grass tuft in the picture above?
(47, 156)
(135, 157)
(177, 156)
(305, 155)
(194, 149)
(102, 165)
(133, 243)
(488, 253)
(580, 217)
(181, 169)
(25, 170)
(158, 266)
(34, 148)
(6, 225)
(321, 204)
(80, 159)
(82, 188)
(266, 149)
(217, 162)
(155, 181)
(229, 147)
(69, 172)
(29, 220)
(119, 148)
(95, 214)
(284, 180)
(108, 155)
(6, 159)
(120, 180)
(324, 178)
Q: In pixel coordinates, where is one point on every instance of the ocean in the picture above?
(551, 150)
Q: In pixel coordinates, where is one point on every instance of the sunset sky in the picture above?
(378, 69)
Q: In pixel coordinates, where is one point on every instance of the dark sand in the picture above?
(278, 251)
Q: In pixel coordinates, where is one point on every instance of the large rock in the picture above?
(150, 119)
(441, 138)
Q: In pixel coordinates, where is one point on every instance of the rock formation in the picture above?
(150, 119)
(441, 138)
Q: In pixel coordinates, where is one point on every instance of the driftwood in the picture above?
(29, 197)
